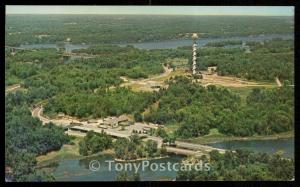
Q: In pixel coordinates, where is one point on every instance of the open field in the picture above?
(149, 84)
(228, 81)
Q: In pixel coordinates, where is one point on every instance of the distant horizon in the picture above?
(153, 10)
(152, 15)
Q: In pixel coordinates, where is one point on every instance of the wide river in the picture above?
(78, 170)
(170, 44)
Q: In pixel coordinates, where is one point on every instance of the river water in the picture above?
(170, 44)
(266, 146)
(78, 170)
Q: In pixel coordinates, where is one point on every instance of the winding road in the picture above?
(184, 148)
(12, 88)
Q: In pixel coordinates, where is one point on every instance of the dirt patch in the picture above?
(227, 81)
(12, 88)
(153, 83)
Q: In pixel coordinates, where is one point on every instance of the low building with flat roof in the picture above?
(116, 121)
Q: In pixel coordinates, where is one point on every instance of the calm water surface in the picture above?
(266, 146)
(78, 170)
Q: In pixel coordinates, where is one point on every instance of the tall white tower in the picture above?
(194, 37)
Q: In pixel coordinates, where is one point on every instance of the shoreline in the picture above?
(208, 37)
(141, 159)
(222, 138)
(68, 151)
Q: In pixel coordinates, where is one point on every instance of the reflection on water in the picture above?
(78, 170)
(267, 146)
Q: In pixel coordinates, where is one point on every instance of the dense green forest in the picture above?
(242, 165)
(20, 29)
(26, 138)
(197, 109)
(102, 104)
(264, 62)
(81, 86)
(130, 61)
(28, 63)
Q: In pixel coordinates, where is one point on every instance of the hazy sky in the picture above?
(165, 10)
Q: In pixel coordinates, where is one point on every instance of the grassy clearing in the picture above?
(154, 106)
(243, 92)
(170, 128)
(178, 62)
(177, 72)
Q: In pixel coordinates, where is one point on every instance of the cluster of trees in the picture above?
(191, 106)
(25, 64)
(131, 61)
(83, 87)
(224, 43)
(160, 132)
(20, 29)
(197, 109)
(242, 165)
(266, 60)
(133, 148)
(94, 142)
(104, 103)
(26, 138)
(266, 112)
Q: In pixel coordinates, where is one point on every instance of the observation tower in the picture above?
(194, 37)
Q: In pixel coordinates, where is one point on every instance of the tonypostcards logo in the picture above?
(111, 165)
